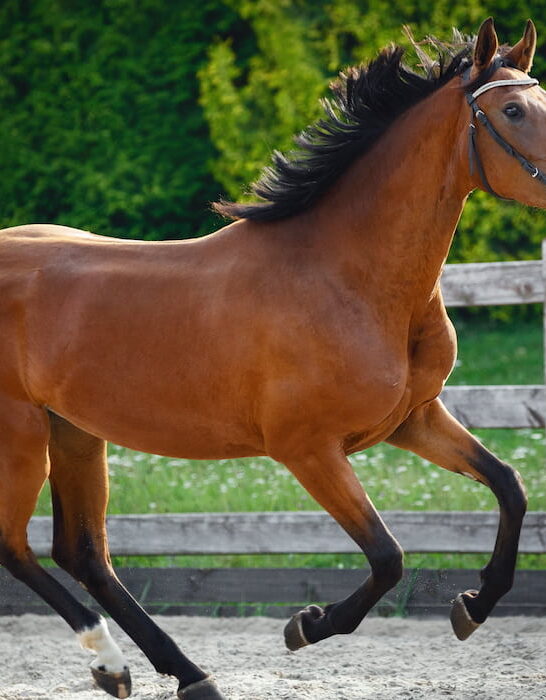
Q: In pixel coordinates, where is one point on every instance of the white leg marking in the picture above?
(98, 640)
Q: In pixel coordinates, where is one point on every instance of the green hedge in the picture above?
(99, 117)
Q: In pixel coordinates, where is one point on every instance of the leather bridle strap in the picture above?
(479, 114)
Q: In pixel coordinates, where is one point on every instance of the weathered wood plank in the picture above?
(280, 592)
(497, 406)
(295, 532)
(484, 284)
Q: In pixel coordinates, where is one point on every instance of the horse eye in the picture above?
(513, 111)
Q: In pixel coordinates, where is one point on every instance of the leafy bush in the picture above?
(99, 120)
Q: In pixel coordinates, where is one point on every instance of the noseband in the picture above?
(479, 114)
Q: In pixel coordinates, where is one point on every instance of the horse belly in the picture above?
(162, 416)
(190, 409)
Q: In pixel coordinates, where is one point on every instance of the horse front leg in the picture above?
(329, 477)
(433, 433)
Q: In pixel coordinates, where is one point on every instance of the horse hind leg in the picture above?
(23, 471)
(109, 668)
(79, 481)
(330, 479)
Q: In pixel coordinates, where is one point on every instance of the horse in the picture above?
(308, 328)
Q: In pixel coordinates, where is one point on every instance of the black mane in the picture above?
(366, 100)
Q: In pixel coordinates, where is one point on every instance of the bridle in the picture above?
(479, 114)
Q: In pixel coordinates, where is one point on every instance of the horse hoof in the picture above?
(202, 690)
(461, 621)
(294, 638)
(117, 684)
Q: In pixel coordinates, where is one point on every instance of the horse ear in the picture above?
(486, 46)
(522, 53)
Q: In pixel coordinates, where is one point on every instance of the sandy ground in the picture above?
(384, 659)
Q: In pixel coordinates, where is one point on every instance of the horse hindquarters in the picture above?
(79, 480)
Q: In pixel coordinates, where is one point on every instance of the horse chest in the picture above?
(431, 355)
(430, 358)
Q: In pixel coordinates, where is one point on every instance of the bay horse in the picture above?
(309, 328)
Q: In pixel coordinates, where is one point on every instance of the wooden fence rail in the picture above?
(295, 532)
(493, 284)
(485, 284)
(281, 592)
(497, 406)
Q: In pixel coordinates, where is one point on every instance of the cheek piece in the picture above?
(478, 114)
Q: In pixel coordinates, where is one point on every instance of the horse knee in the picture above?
(388, 566)
(505, 482)
(514, 492)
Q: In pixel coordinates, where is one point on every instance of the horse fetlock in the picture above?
(109, 669)
(308, 626)
(109, 657)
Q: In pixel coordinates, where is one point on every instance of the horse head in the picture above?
(507, 137)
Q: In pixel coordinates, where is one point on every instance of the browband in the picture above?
(500, 83)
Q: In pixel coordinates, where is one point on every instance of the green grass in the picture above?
(395, 480)
(499, 353)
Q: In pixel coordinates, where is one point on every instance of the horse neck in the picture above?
(398, 206)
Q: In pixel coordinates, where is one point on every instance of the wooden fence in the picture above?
(494, 284)
(277, 592)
